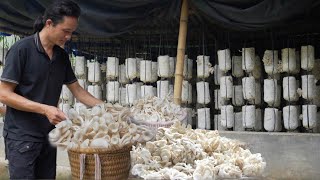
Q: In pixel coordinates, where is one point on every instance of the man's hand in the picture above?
(54, 114)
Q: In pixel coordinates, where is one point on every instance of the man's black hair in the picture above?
(56, 11)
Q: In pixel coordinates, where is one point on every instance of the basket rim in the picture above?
(142, 122)
(91, 150)
(158, 123)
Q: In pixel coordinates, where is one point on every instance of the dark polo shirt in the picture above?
(38, 79)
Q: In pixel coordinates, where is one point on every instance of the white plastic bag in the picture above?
(289, 62)
(308, 87)
(186, 94)
(248, 59)
(272, 119)
(204, 67)
(80, 66)
(203, 92)
(227, 116)
(204, 121)
(163, 66)
(131, 68)
(145, 71)
(226, 84)
(94, 72)
(112, 91)
(237, 70)
(237, 95)
(290, 117)
(290, 89)
(224, 59)
(162, 89)
(112, 67)
(271, 61)
(271, 92)
(95, 90)
(309, 114)
(307, 57)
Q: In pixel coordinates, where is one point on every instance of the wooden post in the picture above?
(181, 52)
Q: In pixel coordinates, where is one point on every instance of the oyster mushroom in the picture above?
(99, 143)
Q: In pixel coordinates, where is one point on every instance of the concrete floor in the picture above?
(288, 155)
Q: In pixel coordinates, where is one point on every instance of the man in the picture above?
(35, 70)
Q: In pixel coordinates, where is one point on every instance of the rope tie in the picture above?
(82, 165)
(97, 169)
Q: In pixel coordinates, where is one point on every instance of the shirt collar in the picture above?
(38, 43)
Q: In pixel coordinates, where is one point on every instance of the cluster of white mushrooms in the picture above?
(154, 109)
(180, 152)
(103, 126)
(177, 152)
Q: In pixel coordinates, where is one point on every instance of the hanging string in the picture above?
(134, 48)
(203, 78)
(255, 91)
(199, 46)
(308, 81)
(126, 46)
(117, 77)
(215, 78)
(186, 70)
(225, 79)
(225, 83)
(145, 48)
(167, 41)
(159, 52)
(245, 81)
(150, 46)
(275, 88)
(203, 57)
(288, 84)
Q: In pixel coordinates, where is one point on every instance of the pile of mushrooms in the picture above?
(103, 126)
(154, 109)
(180, 152)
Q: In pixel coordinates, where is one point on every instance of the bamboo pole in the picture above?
(181, 52)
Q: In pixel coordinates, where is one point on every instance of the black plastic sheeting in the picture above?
(252, 15)
(98, 18)
(106, 18)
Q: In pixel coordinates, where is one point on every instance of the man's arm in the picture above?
(10, 98)
(82, 95)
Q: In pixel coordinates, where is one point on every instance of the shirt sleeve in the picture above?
(14, 64)
(70, 77)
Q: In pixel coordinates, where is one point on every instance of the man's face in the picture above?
(61, 32)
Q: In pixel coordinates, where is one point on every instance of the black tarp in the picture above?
(112, 17)
(252, 15)
(99, 17)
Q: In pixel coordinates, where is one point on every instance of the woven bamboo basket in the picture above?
(114, 164)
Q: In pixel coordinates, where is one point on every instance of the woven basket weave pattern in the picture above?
(115, 164)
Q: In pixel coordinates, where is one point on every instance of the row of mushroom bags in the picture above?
(239, 83)
(145, 70)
